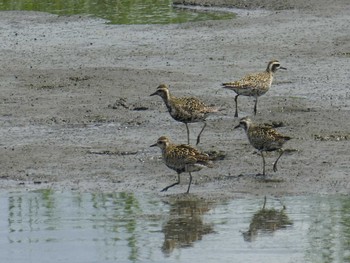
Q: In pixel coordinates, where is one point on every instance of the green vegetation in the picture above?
(117, 11)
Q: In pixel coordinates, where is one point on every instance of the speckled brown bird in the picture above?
(255, 84)
(263, 138)
(182, 158)
(185, 109)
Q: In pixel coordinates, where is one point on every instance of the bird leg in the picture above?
(255, 105)
(262, 155)
(236, 112)
(199, 135)
(188, 134)
(264, 202)
(189, 184)
(275, 164)
(169, 186)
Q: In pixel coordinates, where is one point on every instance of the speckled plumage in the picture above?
(263, 138)
(185, 109)
(254, 84)
(182, 158)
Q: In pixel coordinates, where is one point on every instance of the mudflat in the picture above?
(75, 110)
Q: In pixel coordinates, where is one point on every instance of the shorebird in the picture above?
(264, 139)
(181, 158)
(254, 84)
(185, 109)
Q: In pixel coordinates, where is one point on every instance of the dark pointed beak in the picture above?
(236, 127)
(155, 93)
(225, 85)
(283, 68)
(153, 145)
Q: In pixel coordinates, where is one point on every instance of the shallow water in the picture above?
(118, 11)
(49, 226)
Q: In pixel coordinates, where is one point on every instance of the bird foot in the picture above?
(259, 174)
(275, 168)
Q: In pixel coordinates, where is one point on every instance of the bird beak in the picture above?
(153, 145)
(236, 127)
(225, 86)
(155, 93)
(283, 68)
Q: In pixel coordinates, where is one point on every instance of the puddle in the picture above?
(49, 226)
(119, 11)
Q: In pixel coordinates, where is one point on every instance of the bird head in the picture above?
(244, 123)
(162, 142)
(274, 65)
(162, 91)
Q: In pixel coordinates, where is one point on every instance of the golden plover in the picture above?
(185, 109)
(264, 139)
(182, 158)
(255, 84)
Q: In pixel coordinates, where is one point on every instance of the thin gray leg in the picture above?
(188, 134)
(169, 186)
(275, 164)
(262, 155)
(189, 184)
(199, 135)
(256, 105)
(236, 102)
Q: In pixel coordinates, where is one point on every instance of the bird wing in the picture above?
(190, 104)
(190, 155)
(276, 135)
(250, 81)
(268, 138)
(267, 132)
(189, 109)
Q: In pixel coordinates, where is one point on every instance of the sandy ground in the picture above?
(75, 110)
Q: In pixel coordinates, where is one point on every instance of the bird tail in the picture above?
(230, 85)
(210, 164)
(287, 138)
(216, 155)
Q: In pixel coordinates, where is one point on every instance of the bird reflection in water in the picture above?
(185, 224)
(266, 221)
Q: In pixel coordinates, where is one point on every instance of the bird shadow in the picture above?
(262, 178)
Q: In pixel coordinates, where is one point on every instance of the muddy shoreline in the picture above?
(76, 112)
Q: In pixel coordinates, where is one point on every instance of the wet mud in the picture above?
(76, 111)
